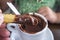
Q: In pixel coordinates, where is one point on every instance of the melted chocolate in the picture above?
(31, 23)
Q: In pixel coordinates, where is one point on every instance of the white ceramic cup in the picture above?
(44, 34)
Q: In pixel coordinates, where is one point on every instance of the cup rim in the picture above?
(39, 31)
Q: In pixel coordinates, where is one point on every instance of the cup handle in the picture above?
(12, 26)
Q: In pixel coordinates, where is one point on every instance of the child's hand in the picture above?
(48, 13)
(4, 33)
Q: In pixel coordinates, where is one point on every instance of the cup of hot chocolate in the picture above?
(32, 23)
(33, 26)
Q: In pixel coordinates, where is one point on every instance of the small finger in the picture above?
(3, 25)
(44, 13)
(4, 38)
(4, 33)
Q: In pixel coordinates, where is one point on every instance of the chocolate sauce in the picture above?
(31, 23)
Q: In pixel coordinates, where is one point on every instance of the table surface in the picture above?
(55, 28)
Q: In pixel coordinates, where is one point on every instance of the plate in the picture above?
(48, 35)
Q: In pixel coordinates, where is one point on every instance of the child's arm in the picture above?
(58, 18)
